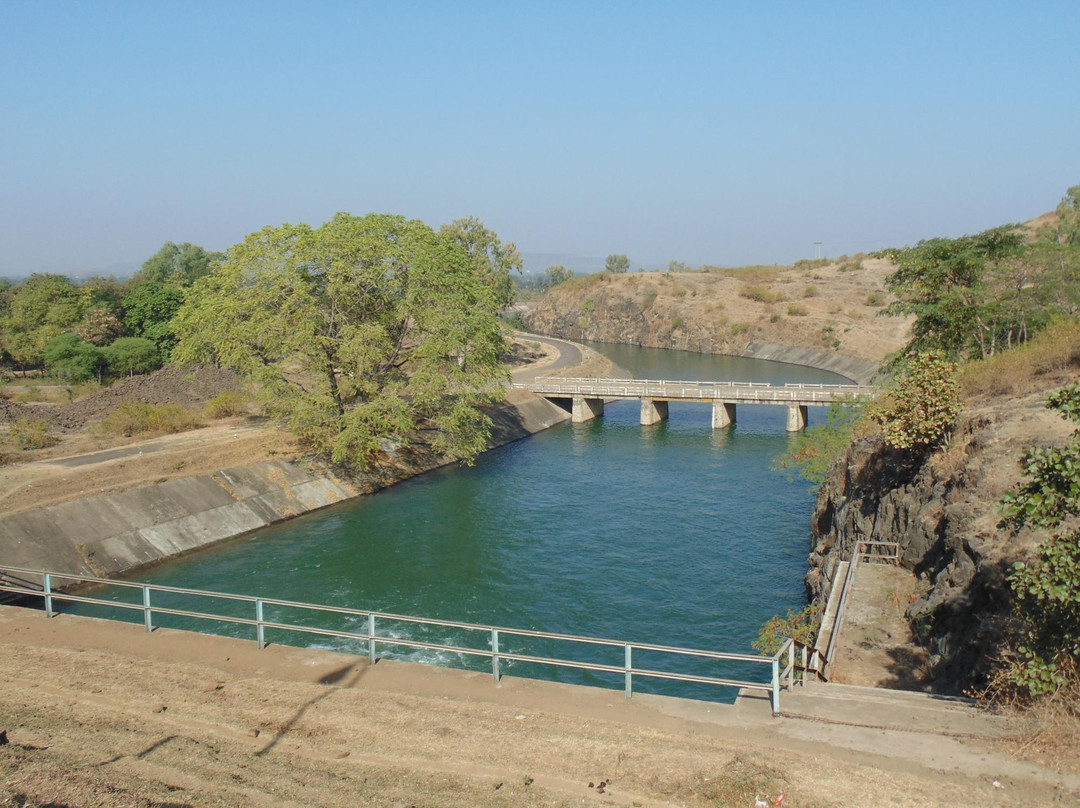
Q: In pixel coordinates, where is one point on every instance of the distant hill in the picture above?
(536, 263)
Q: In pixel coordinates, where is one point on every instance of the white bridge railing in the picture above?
(802, 393)
(382, 630)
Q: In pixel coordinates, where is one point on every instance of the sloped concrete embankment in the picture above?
(116, 533)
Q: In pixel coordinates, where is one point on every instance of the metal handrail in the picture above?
(50, 594)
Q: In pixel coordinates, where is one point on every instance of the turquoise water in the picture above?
(674, 534)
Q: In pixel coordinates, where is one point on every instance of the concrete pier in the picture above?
(796, 417)
(653, 411)
(723, 414)
(585, 409)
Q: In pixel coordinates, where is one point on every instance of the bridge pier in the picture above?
(796, 417)
(723, 414)
(585, 409)
(653, 411)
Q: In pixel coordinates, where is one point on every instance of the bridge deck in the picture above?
(751, 392)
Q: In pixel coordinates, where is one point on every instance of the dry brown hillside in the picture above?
(830, 306)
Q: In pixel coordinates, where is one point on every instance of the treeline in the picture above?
(101, 327)
(974, 296)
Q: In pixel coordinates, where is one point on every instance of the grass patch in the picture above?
(797, 310)
(230, 403)
(28, 435)
(136, 418)
(876, 299)
(810, 291)
(759, 273)
(762, 294)
(1056, 349)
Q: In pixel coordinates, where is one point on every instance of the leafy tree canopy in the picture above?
(179, 264)
(1068, 211)
(617, 264)
(493, 259)
(920, 410)
(42, 307)
(72, 361)
(148, 312)
(361, 331)
(128, 356)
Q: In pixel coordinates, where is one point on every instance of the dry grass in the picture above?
(1055, 350)
(136, 418)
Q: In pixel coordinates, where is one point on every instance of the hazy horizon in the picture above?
(703, 133)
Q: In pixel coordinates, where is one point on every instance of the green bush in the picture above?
(27, 434)
(227, 404)
(801, 626)
(70, 360)
(875, 299)
(762, 294)
(810, 291)
(920, 411)
(137, 418)
(129, 356)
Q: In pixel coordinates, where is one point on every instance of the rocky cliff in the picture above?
(828, 313)
(941, 508)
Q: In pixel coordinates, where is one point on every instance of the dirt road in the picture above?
(102, 714)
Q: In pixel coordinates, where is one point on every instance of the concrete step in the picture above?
(891, 709)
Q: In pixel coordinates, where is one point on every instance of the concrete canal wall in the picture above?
(116, 533)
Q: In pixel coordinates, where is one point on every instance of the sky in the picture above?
(724, 133)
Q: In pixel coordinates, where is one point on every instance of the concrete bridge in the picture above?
(585, 398)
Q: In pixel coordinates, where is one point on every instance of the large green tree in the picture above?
(180, 264)
(617, 264)
(493, 259)
(363, 331)
(39, 309)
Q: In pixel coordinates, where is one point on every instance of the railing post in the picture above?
(495, 653)
(805, 668)
(371, 637)
(147, 620)
(791, 664)
(775, 686)
(46, 587)
(260, 630)
(628, 660)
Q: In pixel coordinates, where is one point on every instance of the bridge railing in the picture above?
(377, 630)
(707, 391)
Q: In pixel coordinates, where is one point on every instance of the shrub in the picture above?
(27, 434)
(762, 294)
(875, 299)
(739, 328)
(648, 297)
(810, 291)
(136, 418)
(797, 310)
(801, 626)
(227, 404)
(920, 411)
(677, 323)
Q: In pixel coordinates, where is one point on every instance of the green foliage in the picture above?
(494, 260)
(617, 264)
(177, 264)
(27, 434)
(1047, 592)
(812, 451)
(1051, 490)
(148, 311)
(797, 310)
(137, 418)
(554, 275)
(875, 299)
(39, 309)
(801, 626)
(1047, 589)
(920, 410)
(72, 361)
(360, 332)
(129, 356)
(810, 291)
(677, 266)
(1068, 211)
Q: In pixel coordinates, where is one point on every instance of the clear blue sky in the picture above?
(711, 132)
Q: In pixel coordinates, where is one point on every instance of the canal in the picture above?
(674, 534)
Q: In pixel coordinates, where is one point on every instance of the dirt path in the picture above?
(99, 713)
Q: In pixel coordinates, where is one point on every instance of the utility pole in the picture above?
(817, 250)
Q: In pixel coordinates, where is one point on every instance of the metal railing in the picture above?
(805, 393)
(43, 584)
